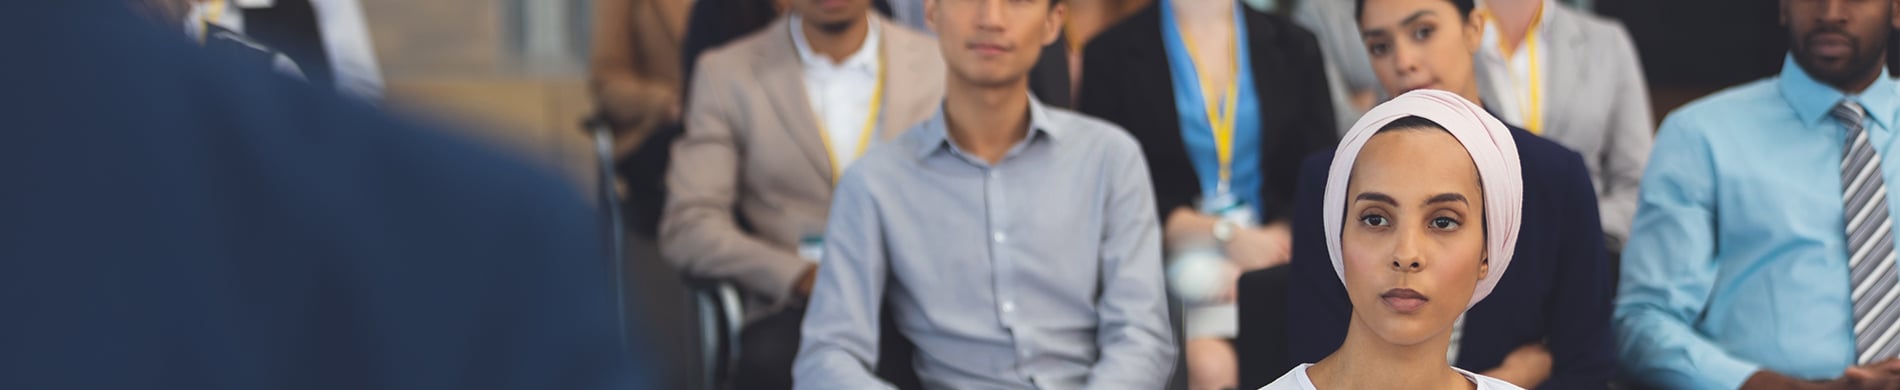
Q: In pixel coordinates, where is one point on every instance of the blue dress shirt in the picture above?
(1195, 129)
(1737, 261)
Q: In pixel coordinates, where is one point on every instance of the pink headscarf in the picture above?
(1491, 148)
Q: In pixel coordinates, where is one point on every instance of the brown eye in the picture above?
(1378, 49)
(1375, 220)
(1445, 223)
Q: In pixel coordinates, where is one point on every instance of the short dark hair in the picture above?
(1411, 122)
(1464, 8)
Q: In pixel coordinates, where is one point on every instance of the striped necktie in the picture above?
(1870, 240)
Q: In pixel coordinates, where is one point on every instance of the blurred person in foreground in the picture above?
(1015, 244)
(1762, 256)
(152, 239)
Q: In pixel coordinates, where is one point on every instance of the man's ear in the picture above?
(930, 14)
(1057, 14)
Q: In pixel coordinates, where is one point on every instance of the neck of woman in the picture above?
(1367, 361)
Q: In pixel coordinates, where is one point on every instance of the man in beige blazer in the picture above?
(1590, 95)
(773, 119)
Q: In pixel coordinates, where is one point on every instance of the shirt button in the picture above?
(1009, 307)
(1024, 352)
(999, 237)
(996, 175)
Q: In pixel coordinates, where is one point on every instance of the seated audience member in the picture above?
(1548, 327)
(1225, 101)
(774, 119)
(1572, 77)
(1015, 244)
(1418, 236)
(1762, 253)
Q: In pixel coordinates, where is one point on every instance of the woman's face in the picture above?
(1417, 44)
(1413, 239)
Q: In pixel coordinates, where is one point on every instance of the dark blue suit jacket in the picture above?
(1557, 289)
(170, 220)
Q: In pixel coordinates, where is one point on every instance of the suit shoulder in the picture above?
(729, 59)
(1113, 136)
(1125, 32)
(1284, 30)
(1543, 159)
(909, 39)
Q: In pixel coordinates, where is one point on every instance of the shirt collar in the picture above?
(1812, 100)
(865, 58)
(934, 135)
(1489, 46)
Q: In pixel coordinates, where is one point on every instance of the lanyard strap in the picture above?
(865, 135)
(1221, 118)
(1534, 105)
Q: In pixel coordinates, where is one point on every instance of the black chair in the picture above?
(1261, 347)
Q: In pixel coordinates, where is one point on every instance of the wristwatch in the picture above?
(1224, 231)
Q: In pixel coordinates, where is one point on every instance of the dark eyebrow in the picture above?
(1447, 198)
(1380, 32)
(1376, 197)
(1414, 18)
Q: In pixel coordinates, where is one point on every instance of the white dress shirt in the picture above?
(840, 92)
(1511, 75)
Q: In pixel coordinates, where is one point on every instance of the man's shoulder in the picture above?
(734, 58)
(1106, 136)
(1754, 95)
(910, 42)
(1737, 107)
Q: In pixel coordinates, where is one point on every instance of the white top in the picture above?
(346, 41)
(1510, 78)
(840, 93)
(1297, 380)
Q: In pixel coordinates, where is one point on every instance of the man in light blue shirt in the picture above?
(1762, 251)
(1016, 245)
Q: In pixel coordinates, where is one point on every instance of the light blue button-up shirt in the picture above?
(1040, 271)
(1737, 261)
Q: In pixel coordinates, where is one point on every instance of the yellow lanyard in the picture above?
(1534, 106)
(1221, 119)
(864, 136)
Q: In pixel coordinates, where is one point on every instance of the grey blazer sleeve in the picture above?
(1631, 134)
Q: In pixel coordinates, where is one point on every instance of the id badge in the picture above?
(1226, 206)
(812, 248)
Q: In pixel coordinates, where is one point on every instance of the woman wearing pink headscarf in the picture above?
(1418, 233)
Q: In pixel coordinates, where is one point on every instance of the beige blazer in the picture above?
(750, 176)
(1598, 105)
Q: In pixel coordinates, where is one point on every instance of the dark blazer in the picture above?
(1126, 82)
(1557, 289)
(193, 223)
